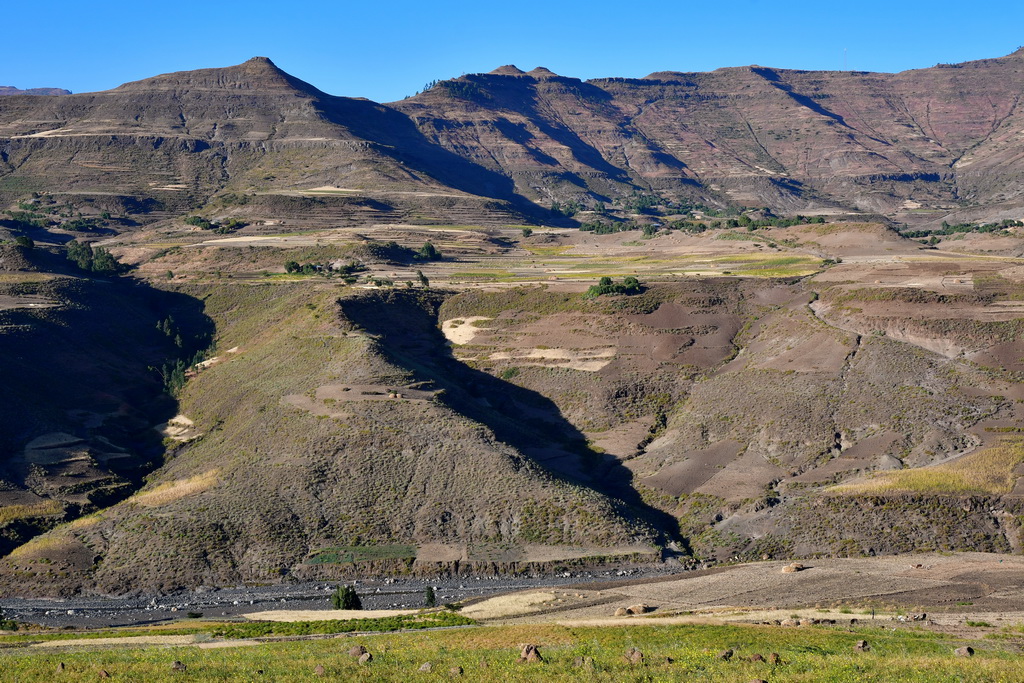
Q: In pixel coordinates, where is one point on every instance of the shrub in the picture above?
(345, 597)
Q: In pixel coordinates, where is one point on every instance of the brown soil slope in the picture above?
(916, 145)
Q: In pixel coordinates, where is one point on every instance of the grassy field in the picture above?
(671, 653)
(988, 471)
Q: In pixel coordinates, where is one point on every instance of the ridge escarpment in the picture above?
(916, 146)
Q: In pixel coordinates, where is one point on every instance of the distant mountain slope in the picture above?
(917, 145)
(11, 90)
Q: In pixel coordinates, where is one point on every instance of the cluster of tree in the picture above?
(175, 374)
(603, 228)
(25, 219)
(230, 225)
(168, 327)
(948, 229)
(742, 222)
(345, 597)
(26, 242)
(567, 209)
(82, 224)
(428, 252)
(464, 90)
(346, 271)
(629, 285)
(641, 203)
(97, 260)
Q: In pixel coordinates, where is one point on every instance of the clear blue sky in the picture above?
(387, 50)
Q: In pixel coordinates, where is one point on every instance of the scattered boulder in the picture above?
(356, 651)
(178, 666)
(917, 617)
(774, 658)
(789, 622)
(861, 646)
(725, 655)
(965, 651)
(426, 667)
(756, 657)
(60, 667)
(793, 568)
(455, 671)
(584, 663)
(639, 609)
(634, 656)
(530, 653)
(104, 674)
(365, 658)
(319, 670)
(621, 612)
(809, 622)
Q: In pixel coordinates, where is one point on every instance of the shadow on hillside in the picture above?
(406, 324)
(399, 138)
(91, 367)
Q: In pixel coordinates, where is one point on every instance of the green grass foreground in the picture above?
(490, 654)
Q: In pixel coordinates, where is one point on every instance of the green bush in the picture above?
(345, 597)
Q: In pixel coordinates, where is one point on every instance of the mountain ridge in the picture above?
(941, 139)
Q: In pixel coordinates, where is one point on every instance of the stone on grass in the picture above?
(756, 657)
(530, 653)
(965, 651)
(178, 666)
(789, 622)
(426, 667)
(455, 671)
(365, 658)
(319, 670)
(356, 651)
(621, 612)
(638, 609)
(861, 646)
(774, 658)
(725, 655)
(60, 667)
(634, 656)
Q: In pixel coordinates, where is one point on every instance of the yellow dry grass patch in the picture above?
(509, 605)
(990, 470)
(42, 545)
(41, 509)
(176, 490)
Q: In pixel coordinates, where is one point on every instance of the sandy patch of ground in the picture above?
(950, 588)
(462, 330)
(126, 641)
(179, 428)
(587, 360)
(327, 615)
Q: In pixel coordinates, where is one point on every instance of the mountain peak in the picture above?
(541, 72)
(258, 73)
(508, 70)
